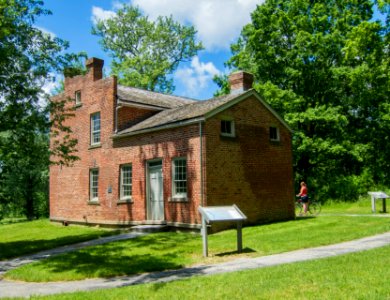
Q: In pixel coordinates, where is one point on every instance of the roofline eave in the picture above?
(129, 103)
(159, 128)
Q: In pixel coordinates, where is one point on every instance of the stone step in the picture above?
(150, 228)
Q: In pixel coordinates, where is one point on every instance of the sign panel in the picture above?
(221, 213)
(211, 214)
(378, 195)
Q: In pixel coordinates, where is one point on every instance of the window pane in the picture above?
(95, 128)
(94, 183)
(227, 127)
(126, 181)
(78, 97)
(273, 133)
(180, 177)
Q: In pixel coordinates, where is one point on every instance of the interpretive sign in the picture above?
(212, 214)
(375, 196)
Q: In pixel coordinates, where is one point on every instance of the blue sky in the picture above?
(218, 23)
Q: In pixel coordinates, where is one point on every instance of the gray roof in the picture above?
(136, 96)
(180, 114)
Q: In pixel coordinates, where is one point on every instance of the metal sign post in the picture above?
(212, 214)
(204, 237)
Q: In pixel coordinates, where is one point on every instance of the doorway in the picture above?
(155, 202)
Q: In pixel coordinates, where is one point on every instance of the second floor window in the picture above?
(227, 128)
(95, 129)
(77, 96)
(274, 134)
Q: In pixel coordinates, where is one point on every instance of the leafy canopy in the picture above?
(146, 52)
(28, 58)
(324, 66)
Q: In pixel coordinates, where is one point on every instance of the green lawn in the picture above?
(363, 275)
(164, 251)
(22, 238)
(362, 206)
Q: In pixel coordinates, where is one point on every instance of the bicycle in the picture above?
(314, 207)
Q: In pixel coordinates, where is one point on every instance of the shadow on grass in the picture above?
(155, 252)
(99, 264)
(245, 250)
(18, 248)
(304, 218)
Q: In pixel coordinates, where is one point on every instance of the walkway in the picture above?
(22, 289)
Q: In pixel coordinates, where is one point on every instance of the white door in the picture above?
(156, 198)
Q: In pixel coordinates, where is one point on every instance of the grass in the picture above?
(361, 206)
(165, 251)
(22, 238)
(361, 275)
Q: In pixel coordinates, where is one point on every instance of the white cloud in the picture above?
(99, 13)
(197, 76)
(44, 30)
(48, 87)
(219, 22)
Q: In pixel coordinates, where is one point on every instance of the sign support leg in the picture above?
(239, 237)
(204, 237)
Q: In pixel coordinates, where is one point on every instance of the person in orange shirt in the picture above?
(304, 197)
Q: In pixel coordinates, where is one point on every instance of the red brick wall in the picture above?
(69, 186)
(249, 170)
(165, 145)
(128, 116)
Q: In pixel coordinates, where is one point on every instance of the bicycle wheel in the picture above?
(298, 208)
(314, 208)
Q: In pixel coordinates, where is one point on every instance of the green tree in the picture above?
(28, 57)
(324, 66)
(146, 52)
(24, 176)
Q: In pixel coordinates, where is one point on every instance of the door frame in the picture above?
(147, 181)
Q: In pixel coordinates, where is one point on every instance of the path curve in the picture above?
(23, 289)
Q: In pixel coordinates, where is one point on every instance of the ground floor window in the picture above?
(93, 184)
(179, 182)
(126, 175)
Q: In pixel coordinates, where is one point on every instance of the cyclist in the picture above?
(304, 197)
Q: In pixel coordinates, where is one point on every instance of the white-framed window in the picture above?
(179, 178)
(95, 128)
(227, 128)
(77, 97)
(93, 184)
(126, 184)
(274, 134)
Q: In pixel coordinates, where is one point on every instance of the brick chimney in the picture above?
(240, 81)
(95, 68)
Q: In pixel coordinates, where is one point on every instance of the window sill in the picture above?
(93, 202)
(178, 199)
(124, 201)
(95, 146)
(78, 105)
(228, 137)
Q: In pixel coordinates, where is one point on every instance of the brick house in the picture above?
(150, 158)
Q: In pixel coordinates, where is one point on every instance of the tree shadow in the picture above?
(14, 249)
(140, 255)
(245, 250)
